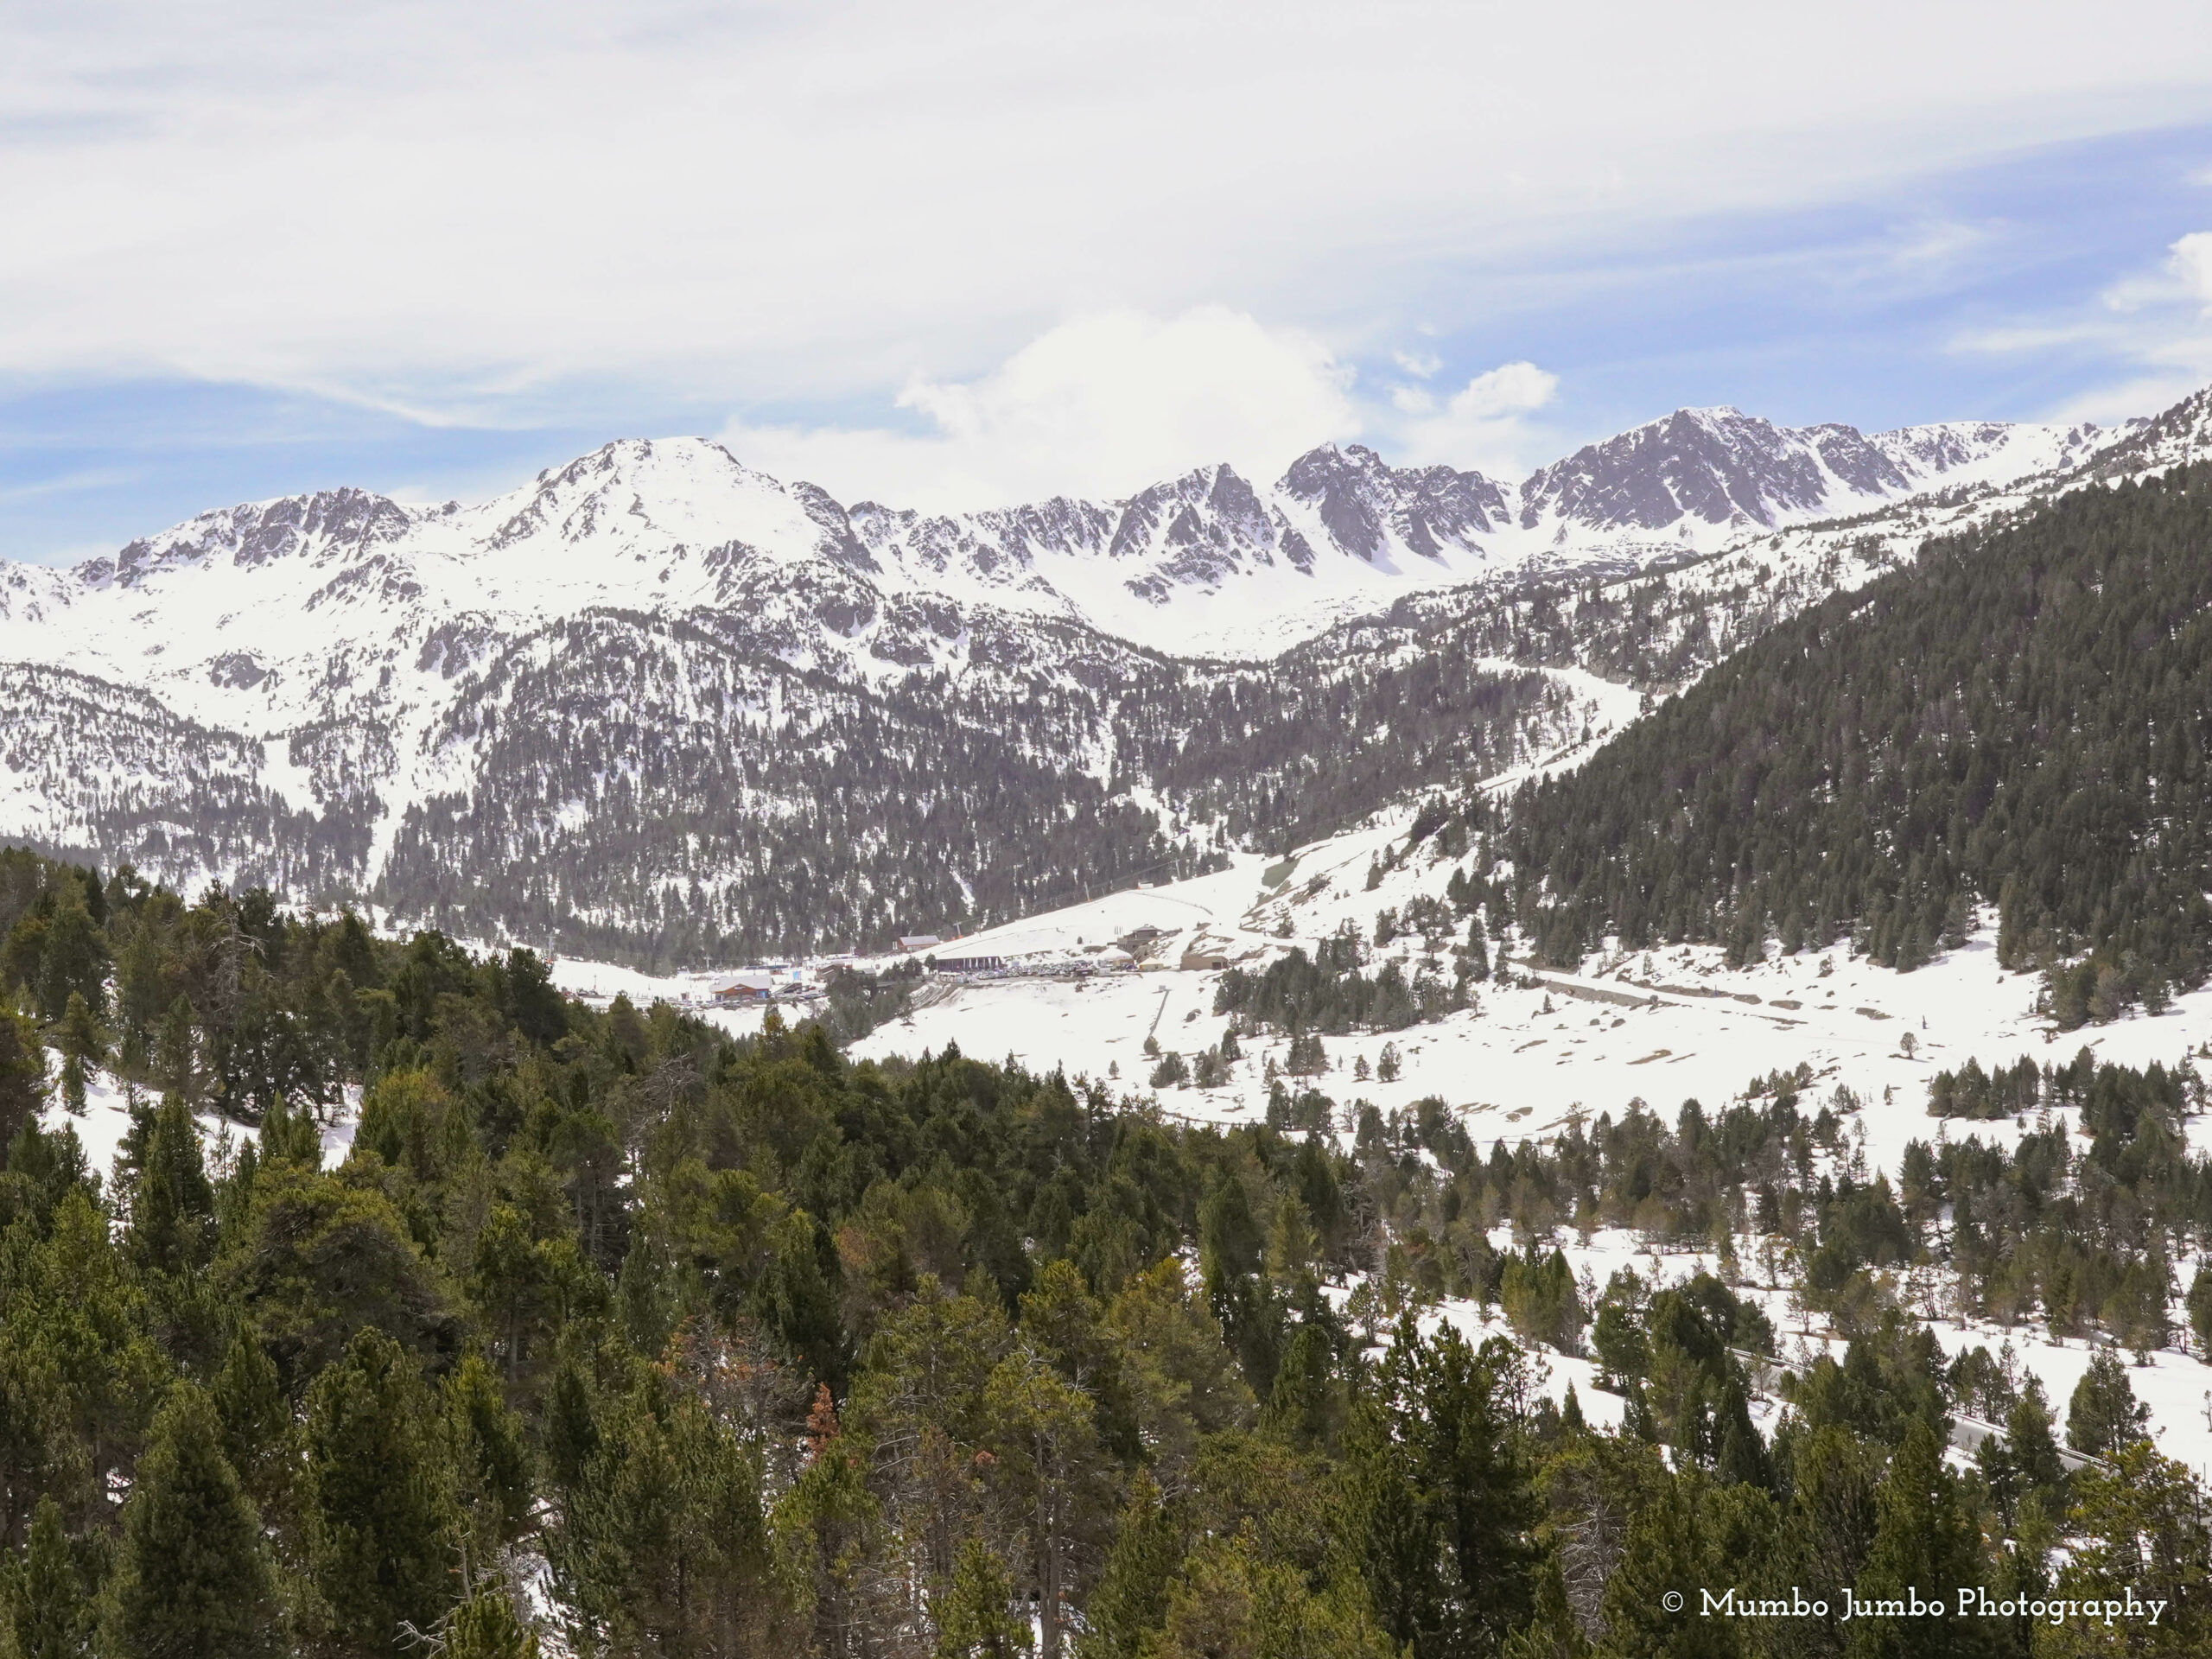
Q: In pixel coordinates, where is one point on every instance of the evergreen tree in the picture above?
(256, 1418)
(973, 1614)
(1926, 1540)
(491, 1460)
(1047, 1440)
(486, 1626)
(2104, 1414)
(2024, 1461)
(1686, 1534)
(177, 1052)
(74, 958)
(83, 1045)
(1441, 1498)
(2142, 1524)
(663, 1539)
(1131, 1598)
(1307, 1406)
(2200, 1306)
(381, 1522)
(193, 1579)
(1551, 1631)
(22, 1072)
(48, 1612)
(173, 1207)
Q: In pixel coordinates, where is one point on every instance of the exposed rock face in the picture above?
(665, 699)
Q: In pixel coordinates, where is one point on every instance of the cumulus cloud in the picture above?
(1102, 405)
(1105, 405)
(2191, 261)
(497, 213)
(1484, 426)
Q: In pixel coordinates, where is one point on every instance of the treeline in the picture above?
(2087, 1239)
(2018, 720)
(1330, 994)
(2083, 1239)
(1304, 745)
(671, 791)
(677, 1345)
(659, 791)
(2104, 1091)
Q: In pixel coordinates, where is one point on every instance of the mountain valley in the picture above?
(656, 705)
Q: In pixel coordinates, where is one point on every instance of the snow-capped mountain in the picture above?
(652, 685)
(1701, 468)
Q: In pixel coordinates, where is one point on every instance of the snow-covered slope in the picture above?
(348, 695)
(268, 614)
(1555, 1048)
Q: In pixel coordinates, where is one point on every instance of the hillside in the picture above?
(426, 1299)
(592, 711)
(2016, 719)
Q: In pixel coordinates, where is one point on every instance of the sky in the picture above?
(974, 253)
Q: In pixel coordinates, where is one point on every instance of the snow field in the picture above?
(1678, 1024)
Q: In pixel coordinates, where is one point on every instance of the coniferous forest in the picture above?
(610, 1334)
(2017, 721)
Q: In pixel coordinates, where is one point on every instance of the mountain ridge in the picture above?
(352, 641)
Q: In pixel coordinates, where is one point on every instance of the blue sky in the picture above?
(1030, 250)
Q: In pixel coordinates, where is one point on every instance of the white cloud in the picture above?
(1421, 366)
(95, 477)
(1101, 405)
(1510, 388)
(2154, 325)
(2191, 261)
(507, 213)
(1484, 426)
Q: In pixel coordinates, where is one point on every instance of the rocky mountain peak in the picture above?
(1367, 506)
(1712, 465)
(340, 521)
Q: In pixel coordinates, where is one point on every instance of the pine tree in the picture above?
(486, 1626)
(2143, 1524)
(249, 1403)
(1551, 1631)
(490, 1460)
(83, 1045)
(665, 1538)
(73, 962)
(22, 1072)
(193, 1579)
(1477, 949)
(2024, 1462)
(1570, 1413)
(1441, 1499)
(378, 1494)
(2104, 1414)
(48, 1617)
(1927, 1540)
(1132, 1594)
(1046, 1441)
(173, 1208)
(1740, 1455)
(570, 1431)
(176, 1052)
(975, 1613)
